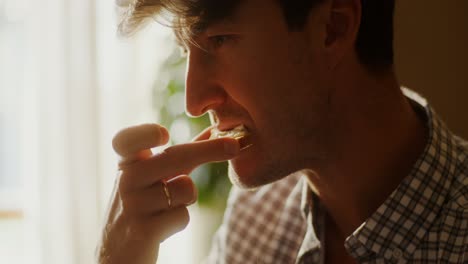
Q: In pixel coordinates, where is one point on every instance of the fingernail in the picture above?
(231, 147)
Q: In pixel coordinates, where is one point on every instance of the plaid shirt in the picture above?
(423, 221)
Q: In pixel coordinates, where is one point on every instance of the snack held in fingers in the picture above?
(240, 133)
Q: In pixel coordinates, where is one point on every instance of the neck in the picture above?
(376, 139)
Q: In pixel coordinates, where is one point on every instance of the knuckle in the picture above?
(129, 203)
(174, 221)
(188, 187)
(124, 182)
(168, 151)
(135, 228)
(169, 155)
(183, 218)
(183, 182)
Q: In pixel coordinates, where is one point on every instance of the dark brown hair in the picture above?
(374, 44)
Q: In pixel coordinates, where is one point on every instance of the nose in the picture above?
(203, 84)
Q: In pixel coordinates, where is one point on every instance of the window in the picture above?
(12, 63)
(67, 84)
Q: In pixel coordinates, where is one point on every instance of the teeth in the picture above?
(237, 133)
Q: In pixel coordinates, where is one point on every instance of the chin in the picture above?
(251, 173)
(243, 180)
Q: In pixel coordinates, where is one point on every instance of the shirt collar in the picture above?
(312, 212)
(408, 213)
(306, 198)
(406, 216)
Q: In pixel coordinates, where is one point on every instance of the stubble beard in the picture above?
(274, 167)
(305, 150)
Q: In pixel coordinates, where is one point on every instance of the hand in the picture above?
(141, 216)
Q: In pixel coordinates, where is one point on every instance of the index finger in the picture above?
(181, 159)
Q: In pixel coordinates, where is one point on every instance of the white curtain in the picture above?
(81, 85)
(60, 133)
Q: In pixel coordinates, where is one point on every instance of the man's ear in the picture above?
(344, 20)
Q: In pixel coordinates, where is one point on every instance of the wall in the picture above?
(431, 46)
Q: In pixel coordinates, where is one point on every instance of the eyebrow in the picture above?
(199, 28)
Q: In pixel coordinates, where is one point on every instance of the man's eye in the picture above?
(217, 41)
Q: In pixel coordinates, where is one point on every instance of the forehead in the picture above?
(227, 15)
(196, 15)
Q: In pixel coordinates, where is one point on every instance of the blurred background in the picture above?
(67, 84)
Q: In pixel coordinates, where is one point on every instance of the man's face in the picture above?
(256, 72)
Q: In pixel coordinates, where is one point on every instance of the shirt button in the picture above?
(397, 253)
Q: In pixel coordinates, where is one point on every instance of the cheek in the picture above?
(280, 90)
(250, 83)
